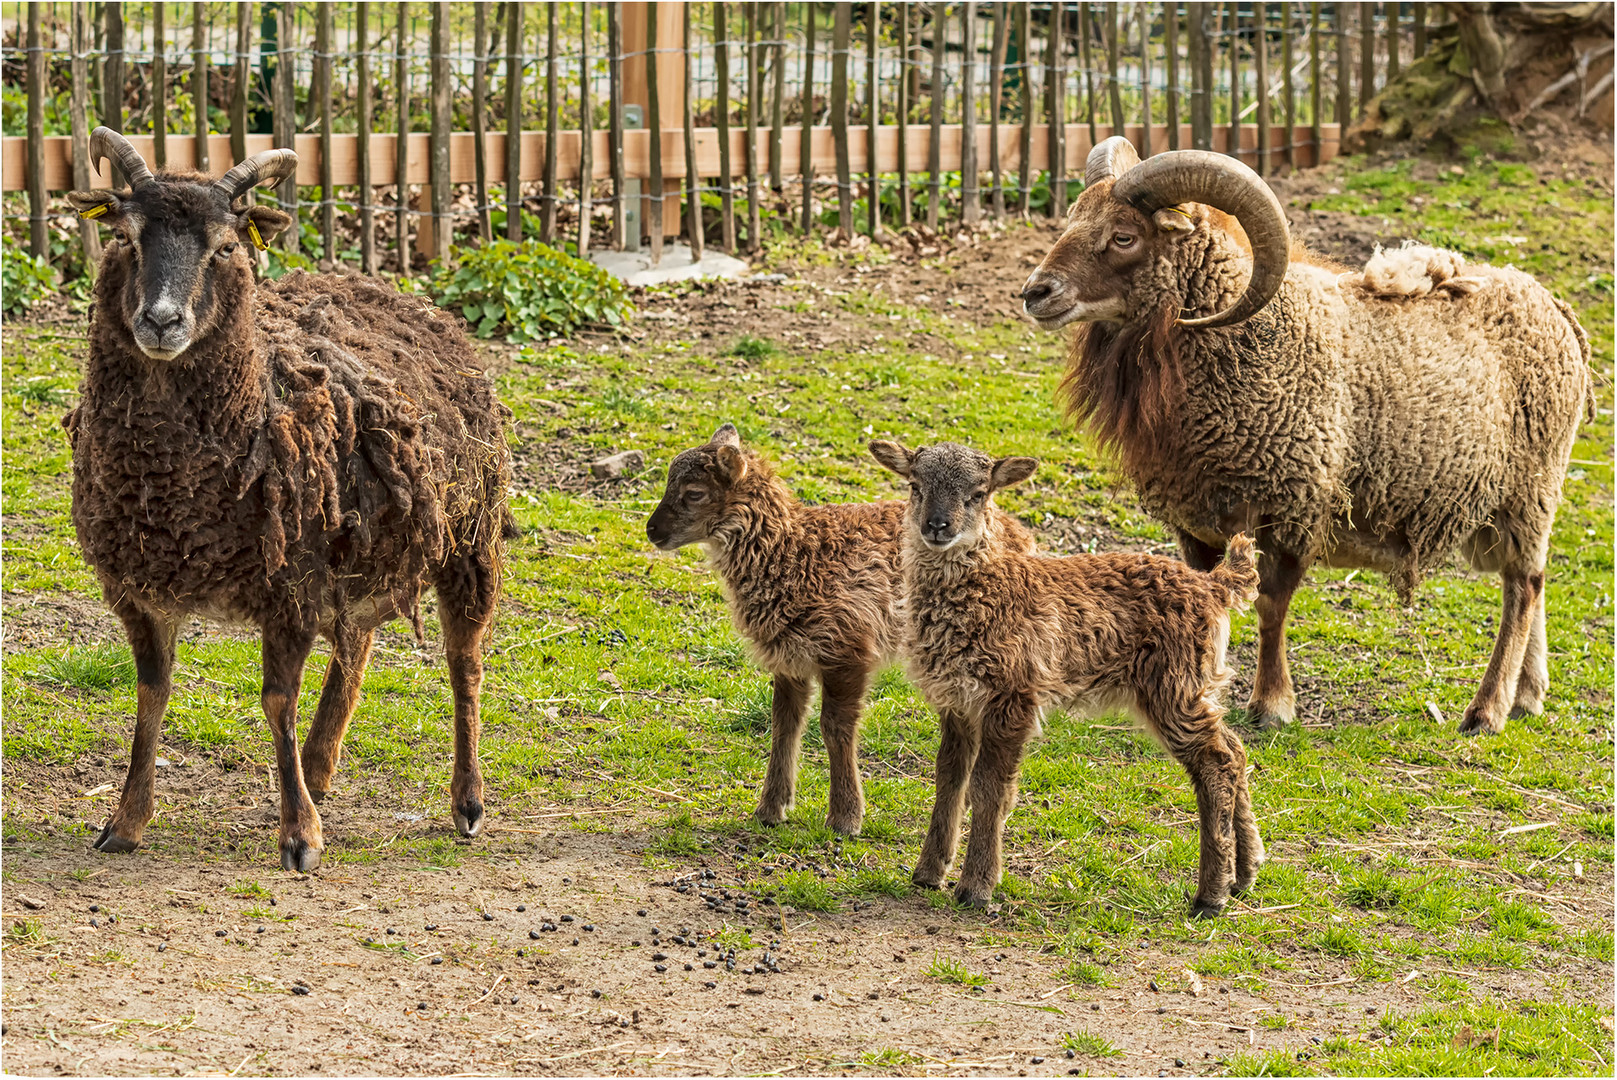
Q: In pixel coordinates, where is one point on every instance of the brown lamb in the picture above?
(814, 589)
(304, 456)
(998, 636)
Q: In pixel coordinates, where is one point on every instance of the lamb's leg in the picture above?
(957, 753)
(1534, 681)
(1274, 702)
(1523, 589)
(1006, 728)
(463, 643)
(788, 715)
(151, 639)
(322, 747)
(1249, 853)
(286, 649)
(843, 699)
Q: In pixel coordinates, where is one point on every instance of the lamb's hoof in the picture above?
(469, 819)
(1476, 722)
(315, 795)
(1204, 909)
(927, 881)
(1271, 717)
(299, 856)
(114, 843)
(1241, 887)
(972, 897)
(1520, 711)
(847, 825)
(770, 816)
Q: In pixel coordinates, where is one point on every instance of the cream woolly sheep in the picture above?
(1377, 419)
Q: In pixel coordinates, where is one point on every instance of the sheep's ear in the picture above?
(258, 225)
(100, 203)
(726, 436)
(732, 466)
(895, 456)
(1174, 219)
(1011, 470)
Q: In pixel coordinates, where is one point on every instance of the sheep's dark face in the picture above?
(185, 253)
(951, 488)
(700, 482)
(1098, 271)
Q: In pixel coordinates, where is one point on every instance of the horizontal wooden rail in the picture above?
(58, 152)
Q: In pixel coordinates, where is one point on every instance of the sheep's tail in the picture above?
(1416, 270)
(1571, 318)
(1237, 575)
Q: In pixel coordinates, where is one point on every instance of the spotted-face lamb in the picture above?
(303, 456)
(813, 589)
(997, 636)
(1377, 419)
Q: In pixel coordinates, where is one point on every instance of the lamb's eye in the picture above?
(118, 235)
(915, 489)
(1123, 240)
(976, 498)
(695, 495)
(226, 250)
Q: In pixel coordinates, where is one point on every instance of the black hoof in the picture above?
(114, 844)
(1476, 724)
(845, 827)
(316, 797)
(299, 856)
(970, 898)
(1201, 909)
(770, 818)
(926, 883)
(469, 819)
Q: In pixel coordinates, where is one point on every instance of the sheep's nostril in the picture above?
(1036, 291)
(938, 524)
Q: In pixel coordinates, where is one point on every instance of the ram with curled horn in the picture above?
(305, 456)
(1377, 418)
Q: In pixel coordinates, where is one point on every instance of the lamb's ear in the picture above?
(732, 465)
(895, 456)
(266, 221)
(100, 203)
(726, 436)
(1011, 470)
(1174, 219)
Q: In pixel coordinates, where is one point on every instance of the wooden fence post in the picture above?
(1055, 114)
(443, 233)
(693, 183)
(1145, 81)
(934, 99)
(285, 117)
(841, 40)
(112, 77)
(89, 233)
(1260, 64)
(996, 103)
(549, 195)
(401, 158)
(1024, 141)
(201, 92)
(1234, 35)
(777, 103)
(970, 206)
(243, 73)
(1114, 86)
(514, 25)
(362, 129)
(1170, 19)
(1392, 40)
(1316, 127)
(159, 84)
(1344, 74)
(721, 117)
(480, 51)
(1420, 30)
(1202, 72)
(1086, 57)
(614, 65)
(586, 129)
(755, 100)
(1287, 88)
(322, 89)
(654, 125)
(38, 205)
(1367, 55)
(873, 111)
(906, 60)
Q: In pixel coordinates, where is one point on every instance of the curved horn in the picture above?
(1110, 159)
(106, 143)
(1182, 176)
(261, 168)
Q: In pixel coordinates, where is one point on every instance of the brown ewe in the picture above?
(813, 589)
(305, 456)
(998, 636)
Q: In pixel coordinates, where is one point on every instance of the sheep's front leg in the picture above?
(957, 753)
(1274, 702)
(1006, 728)
(1523, 590)
(843, 700)
(788, 716)
(463, 643)
(151, 640)
(322, 747)
(286, 649)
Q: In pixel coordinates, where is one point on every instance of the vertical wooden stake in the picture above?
(1234, 35)
(243, 75)
(443, 233)
(841, 40)
(1170, 18)
(906, 101)
(586, 126)
(721, 59)
(1201, 39)
(201, 93)
(362, 129)
(322, 89)
(159, 84)
(1114, 86)
(873, 120)
(1055, 112)
(285, 116)
(934, 98)
(996, 104)
(1145, 81)
(1024, 140)
(480, 51)
(614, 65)
(777, 104)
(89, 234)
(1367, 55)
(1344, 73)
(970, 205)
(654, 125)
(38, 205)
(1260, 48)
(1316, 132)
(1086, 31)
(112, 78)
(1287, 87)
(1420, 30)
(693, 182)
(401, 157)
(514, 25)
(805, 150)
(547, 212)
(1391, 11)
(755, 100)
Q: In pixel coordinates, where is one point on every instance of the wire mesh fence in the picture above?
(856, 116)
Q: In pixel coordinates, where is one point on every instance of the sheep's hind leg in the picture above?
(788, 716)
(1199, 740)
(957, 753)
(322, 747)
(1006, 728)
(843, 698)
(1534, 681)
(1274, 703)
(286, 649)
(1523, 591)
(151, 639)
(463, 644)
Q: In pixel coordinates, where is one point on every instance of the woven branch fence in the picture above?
(437, 124)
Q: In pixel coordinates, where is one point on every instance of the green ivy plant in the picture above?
(528, 291)
(24, 281)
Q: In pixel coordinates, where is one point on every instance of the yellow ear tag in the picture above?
(252, 230)
(95, 211)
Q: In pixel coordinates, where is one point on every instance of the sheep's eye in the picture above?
(118, 235)
(695, 495)
(226, 250)
(977, 497)
(1123, 240)
(915, 489)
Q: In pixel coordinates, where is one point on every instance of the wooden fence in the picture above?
(861, 116)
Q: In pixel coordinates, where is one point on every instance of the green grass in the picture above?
(948, 970)
(1088, 1044)
(1387, 831)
